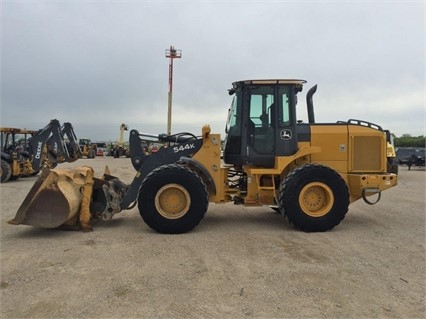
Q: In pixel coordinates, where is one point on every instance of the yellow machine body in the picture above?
(359, 157)
(309, 172)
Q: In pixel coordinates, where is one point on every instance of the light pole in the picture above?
(171, 53)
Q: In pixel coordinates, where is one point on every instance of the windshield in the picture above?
(232, 121)
(233, 128)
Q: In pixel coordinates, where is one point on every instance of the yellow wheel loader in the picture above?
(310, 172)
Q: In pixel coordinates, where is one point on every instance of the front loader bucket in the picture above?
(56, 198)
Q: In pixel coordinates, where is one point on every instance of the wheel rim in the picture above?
(172, 201)
(316, 199)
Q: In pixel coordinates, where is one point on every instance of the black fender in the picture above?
(201, 170)
(164, 156)
(5, 156)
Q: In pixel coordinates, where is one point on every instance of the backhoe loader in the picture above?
(14, 153)
(310, 171)
(26, 152)
(87, 148)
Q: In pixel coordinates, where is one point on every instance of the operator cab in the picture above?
(261, 122)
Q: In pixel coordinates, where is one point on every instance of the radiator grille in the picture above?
(367, 153)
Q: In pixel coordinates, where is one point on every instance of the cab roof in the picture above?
(273, 81)
(16, 130)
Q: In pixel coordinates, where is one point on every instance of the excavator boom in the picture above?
(26, 152)
(48, 146)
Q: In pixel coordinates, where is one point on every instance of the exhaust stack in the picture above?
(310, 103)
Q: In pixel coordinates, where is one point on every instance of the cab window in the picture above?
(284, 115)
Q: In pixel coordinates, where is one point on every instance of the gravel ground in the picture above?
(239, 262)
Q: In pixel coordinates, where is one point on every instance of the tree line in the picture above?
(406, 140)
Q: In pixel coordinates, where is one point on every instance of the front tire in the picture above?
(314, 198)
(173, 199)
(6, 171)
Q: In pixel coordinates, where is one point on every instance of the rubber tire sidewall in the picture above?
(6, 171)
(184, 177)
(392, 166)
(293, 185)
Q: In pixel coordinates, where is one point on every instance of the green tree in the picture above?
(406, 140)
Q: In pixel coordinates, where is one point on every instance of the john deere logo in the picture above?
(286, 135)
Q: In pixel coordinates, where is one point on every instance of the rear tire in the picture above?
(392, 166)
(314, 198)
(6, 171)
(173, 199)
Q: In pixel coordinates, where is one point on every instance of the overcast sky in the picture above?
(98, 64)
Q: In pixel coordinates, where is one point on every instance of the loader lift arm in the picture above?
(180, 145)
(57, 194)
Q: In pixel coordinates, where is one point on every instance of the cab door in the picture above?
(260, 115)
(271, 126)
(285, 133)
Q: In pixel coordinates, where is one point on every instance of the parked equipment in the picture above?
(15, 160)
(310, 171)
(87, 148)
(25, 152)
(101, 148)
(411, 156)
(119, 149)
